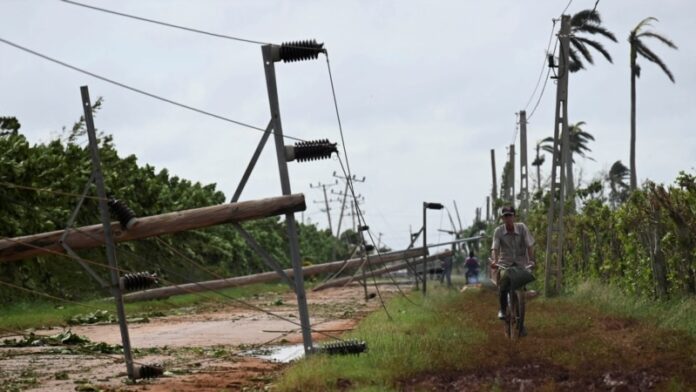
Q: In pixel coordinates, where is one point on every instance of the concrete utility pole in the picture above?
(345, 193)
(494, 192)
(554, 235)
(538, 167)
(511, 179)
(326, 200)
(488, 208)
(524, 186)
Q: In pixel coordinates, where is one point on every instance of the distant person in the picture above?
(512, 245)
(472, 268)
(447, 262)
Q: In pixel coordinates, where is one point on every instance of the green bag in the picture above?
(514, 278)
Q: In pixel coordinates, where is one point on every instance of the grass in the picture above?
(419, 337)
(45, 314)
(675, 314)
(574, 342)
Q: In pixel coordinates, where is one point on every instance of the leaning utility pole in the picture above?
(348, 180)
(524, 188)
(554, 235)
(494, 192)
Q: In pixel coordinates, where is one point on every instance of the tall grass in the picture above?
(677, 313)
(430, 334)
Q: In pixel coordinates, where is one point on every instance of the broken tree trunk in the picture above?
(173, 222)
(263, 277)
(368, 273)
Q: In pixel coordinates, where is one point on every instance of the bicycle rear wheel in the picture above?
(513, 316)
(509, 317)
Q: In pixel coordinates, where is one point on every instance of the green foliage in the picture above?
(645, 246)
(39, 188)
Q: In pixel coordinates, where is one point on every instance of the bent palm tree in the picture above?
(579, 140)
(617, 183)
(538, 161)
(586, 21)
(639, 48)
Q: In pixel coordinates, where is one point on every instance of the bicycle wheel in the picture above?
(509, 316)
(514, 314)
(521, 310)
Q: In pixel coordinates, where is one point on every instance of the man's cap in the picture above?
(507, 211)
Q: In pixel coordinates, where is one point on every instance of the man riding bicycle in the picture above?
(512, 246)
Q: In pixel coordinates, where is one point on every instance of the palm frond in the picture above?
(642, 23)
(662, 38)
(648, 54)
(597, 46)
(539, 161)
(582, 49)
(584, 17)
(574, 65)
(594, 29)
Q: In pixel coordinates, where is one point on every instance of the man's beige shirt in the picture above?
(512, 246)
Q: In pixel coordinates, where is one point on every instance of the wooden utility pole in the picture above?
(382, 271)
(494, 192)
(264, 277)
(156, 225)
(524, 188)
(555, 234)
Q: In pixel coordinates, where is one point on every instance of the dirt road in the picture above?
(200, 351)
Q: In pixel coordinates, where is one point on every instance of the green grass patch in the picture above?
(42, 314)
(674, 314)
(432, 334)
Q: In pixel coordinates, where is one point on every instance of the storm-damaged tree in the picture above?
(638, 47)
(582, 23)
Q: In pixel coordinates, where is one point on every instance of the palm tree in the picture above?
(618, 173)
(579, 140)
(639, 48)
(538, 161)
(586, 21)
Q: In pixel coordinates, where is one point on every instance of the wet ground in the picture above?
(568, 348)
(200, 352)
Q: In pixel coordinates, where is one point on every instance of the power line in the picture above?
(543, 64)
(165, 23)
(139, 91)
(566, 7)
(47, 190)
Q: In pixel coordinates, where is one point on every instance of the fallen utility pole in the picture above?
(382, 271)
(264, 277)
(93, 236)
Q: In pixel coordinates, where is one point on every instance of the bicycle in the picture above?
(515, 310)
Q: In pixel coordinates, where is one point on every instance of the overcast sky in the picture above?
(425, 90)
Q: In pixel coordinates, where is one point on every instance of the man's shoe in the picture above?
(501, 315)
(523, 332)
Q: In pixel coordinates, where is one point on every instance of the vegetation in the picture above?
(40, 187)
(644, 246)
(453, 341)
